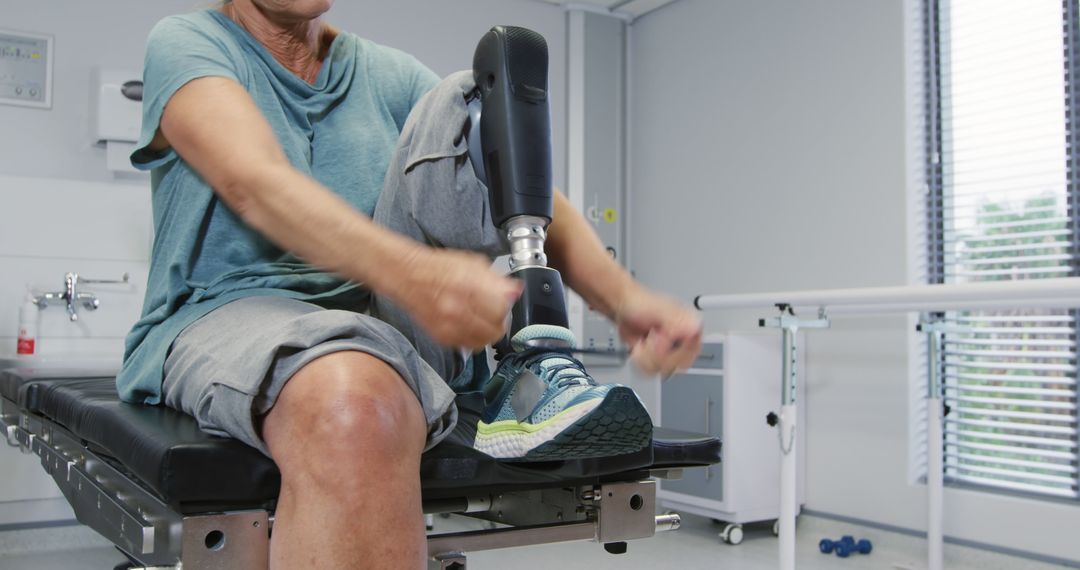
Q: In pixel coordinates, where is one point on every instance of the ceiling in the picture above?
(630, 8)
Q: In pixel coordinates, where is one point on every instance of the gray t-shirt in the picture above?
(341, 130)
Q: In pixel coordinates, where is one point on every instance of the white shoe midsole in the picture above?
(510, 444)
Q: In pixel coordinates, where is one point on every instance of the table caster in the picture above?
(732, 534)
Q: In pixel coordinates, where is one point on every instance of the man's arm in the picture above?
(213, 124)
(664, 336)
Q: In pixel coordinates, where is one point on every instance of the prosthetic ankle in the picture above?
(509, 141)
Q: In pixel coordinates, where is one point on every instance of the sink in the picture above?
(84, 365)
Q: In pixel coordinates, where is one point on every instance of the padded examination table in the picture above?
(155, 464)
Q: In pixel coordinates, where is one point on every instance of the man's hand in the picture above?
(664, 336)
(455, 296)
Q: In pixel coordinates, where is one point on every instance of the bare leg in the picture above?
(347, 434)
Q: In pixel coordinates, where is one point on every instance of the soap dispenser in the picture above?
(28, 317)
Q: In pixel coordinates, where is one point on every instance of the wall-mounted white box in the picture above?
(116, 114)
(116, 100)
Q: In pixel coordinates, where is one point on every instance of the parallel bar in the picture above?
(788, 486)
(1056, 292)
(789, 326)
(935, 474)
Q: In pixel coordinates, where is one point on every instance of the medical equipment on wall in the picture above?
(730, 392)
(26, 69)
(925, 299)
(116, 114)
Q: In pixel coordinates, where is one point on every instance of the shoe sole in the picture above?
(616, 425)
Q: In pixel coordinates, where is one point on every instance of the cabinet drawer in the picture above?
(711, 356)
(694, 402)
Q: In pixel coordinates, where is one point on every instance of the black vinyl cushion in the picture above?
(168, 453)
(161, 447)
(16, 383)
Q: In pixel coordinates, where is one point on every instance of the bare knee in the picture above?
(346, 412)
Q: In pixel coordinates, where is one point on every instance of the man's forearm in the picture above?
(303, 217)
(575, 250)
(250, 173)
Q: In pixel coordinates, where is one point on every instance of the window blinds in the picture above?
(1001, 205)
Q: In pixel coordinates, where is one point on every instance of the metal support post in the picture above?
(935, 441)
(787, 422)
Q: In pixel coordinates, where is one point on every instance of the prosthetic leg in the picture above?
(510, 149)
(540, 404)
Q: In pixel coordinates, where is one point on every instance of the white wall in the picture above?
(55, 143)
(768, 153)
(61, 210)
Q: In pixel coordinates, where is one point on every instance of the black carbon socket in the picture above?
(511, 68)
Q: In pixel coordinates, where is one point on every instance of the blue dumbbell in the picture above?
(848, 545)
(845, 546)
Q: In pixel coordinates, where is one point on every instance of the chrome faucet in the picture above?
(72, 297)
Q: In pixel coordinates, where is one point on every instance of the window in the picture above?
(1002, 204)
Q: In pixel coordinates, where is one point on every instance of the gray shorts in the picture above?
(228, 368)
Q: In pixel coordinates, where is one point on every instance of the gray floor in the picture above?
(695, 546)
(57, 548)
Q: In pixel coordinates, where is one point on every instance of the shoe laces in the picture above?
(557, 368)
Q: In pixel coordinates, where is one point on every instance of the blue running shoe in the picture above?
(543, 406)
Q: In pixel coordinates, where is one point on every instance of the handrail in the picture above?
(1055, 292)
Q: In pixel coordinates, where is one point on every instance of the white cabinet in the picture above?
(729, 392)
